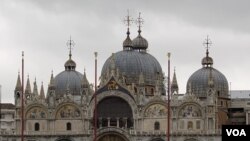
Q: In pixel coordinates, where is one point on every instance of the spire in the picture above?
(28, 87)
(18, 83)
(42, 95)
(85, 82)
(207, 61)
(35, 90)
(174, 85)
(127, 43)
(52, 80)
(70, 64)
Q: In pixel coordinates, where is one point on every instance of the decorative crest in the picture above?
(207, 43)
(139, 21)
(70, 44)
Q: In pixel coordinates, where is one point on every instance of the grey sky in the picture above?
(41, 29)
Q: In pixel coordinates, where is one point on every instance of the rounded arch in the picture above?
(112, 136)
(190, 110)
(156, 139)
(36, 111)
(114, 93)
(67, 110)
(64, 139)
(115, 111)
(155, 109)
(191, 139)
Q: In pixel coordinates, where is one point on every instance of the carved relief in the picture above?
(112, 85)
(190, 111)
(36, 113)
(156, 110)
(68, 111)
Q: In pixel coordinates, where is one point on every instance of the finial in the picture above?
(42, 82)
(128, 20)
(22, 54)
(174, 68)
(95, 54)
(139, 21)
(84, 70)
(207, 43)
(70, 43)
(169, 54)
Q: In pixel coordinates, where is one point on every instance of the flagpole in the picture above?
(95, 109)
(22, 98)
(168, 130)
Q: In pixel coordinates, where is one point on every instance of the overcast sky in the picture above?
(41, 29)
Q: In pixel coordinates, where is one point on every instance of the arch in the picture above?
(114, 93)
(37, 126)
(155, 110)
(64, 139)
(157, 139)
(68, 126)
(35, 111)
(191, 139)
(114, 136)
(157, 125)
(190, 110)
(67, 111)
(115, 110)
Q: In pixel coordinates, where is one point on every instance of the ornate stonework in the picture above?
(156, 110)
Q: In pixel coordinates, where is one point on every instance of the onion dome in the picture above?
(127, 43)
(200, 80)
(139, 42)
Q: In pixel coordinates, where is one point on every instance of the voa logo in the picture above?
(236, 132)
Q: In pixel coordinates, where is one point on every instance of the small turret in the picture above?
(85, 82)
(174, 85)
(28, 87)
(42, 95)
(35, 90)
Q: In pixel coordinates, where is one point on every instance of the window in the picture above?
(37, 126)
(198, 124)
(68, 126)
(157, 125)
(2, 116)
(190, 125)
(221, 103)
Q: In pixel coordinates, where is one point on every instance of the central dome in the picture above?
(131, 63)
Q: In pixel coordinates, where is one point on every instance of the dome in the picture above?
(206, 61)
(139, 43)
(131, 63)
(199, 82)
(127, 43)
(68, 79)
(70, 65)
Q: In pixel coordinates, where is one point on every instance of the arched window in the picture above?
(157, 125)
(37, 126)
(68, 126)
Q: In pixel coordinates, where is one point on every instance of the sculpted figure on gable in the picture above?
(156, 110)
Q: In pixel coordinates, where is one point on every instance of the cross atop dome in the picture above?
(128, 20)
(207, 43)
(139, 21)
(70, 44)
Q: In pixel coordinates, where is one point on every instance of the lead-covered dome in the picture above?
(199, 80)
(131, 63)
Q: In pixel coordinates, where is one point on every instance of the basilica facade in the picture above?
(130, 99)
